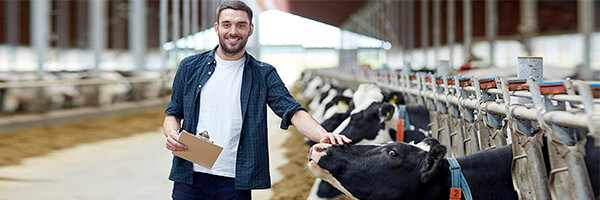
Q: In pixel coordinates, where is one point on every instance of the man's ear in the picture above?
(251, 30)
(216, 25)
(433, 162)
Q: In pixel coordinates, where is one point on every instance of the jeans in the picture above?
(209, 187)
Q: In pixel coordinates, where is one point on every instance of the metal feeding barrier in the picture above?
(39, 113)
(471, 114)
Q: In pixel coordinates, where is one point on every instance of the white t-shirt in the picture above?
(221, 114)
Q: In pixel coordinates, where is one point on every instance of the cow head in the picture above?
(338, 110)
(416, 119)
(367, 124)
(386, 171)
(312, 88)
(393, 97)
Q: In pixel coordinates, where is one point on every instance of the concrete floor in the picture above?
(135, 167)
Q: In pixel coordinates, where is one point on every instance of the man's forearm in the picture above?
(170, 127)
(171, 124)
(308, 126)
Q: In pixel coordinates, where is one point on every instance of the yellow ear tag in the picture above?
(342, 107)
(387, 114)
(393, 100)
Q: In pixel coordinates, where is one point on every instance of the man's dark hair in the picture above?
(235, 5)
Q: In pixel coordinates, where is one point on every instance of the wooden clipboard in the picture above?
(198, 150)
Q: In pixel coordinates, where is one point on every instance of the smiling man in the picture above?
(226, 92)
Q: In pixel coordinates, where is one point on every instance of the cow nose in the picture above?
(319, 148)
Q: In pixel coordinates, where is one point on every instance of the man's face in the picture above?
(233, 29)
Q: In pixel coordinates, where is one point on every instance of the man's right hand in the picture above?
(172, 142)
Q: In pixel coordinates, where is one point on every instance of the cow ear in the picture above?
(431, 142)
(386, 110)
(400, 99)
(337, 99)
(433, 162)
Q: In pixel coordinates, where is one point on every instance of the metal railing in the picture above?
(470, 114)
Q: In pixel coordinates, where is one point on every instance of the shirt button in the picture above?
(208, 63)
(199, 86)
(209, 73)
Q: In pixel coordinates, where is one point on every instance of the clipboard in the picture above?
(199, 151)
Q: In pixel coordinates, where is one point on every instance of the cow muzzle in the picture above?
(316, 152)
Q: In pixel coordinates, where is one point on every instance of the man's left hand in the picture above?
(335, 139)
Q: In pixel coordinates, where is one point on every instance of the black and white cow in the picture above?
(363, 97)
(312, 88)
(370, 127)
(407, 171)
(367, 126)
(338, 112)
(328, 102)
(416, 119)
(376, 124)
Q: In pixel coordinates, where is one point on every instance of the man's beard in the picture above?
(228, 50)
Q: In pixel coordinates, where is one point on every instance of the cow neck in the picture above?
(487, 173)
(439, 186)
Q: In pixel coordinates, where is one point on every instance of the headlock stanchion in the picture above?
(494, 122)
(469, 128)
(528, 169)
(457, 134)
(566, 146)
(444, 129)
(484, 132)
(431, 106)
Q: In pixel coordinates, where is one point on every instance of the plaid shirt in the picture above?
(261, 86)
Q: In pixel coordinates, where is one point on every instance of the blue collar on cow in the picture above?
(459, 183)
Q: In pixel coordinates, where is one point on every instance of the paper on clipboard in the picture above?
(198, 150)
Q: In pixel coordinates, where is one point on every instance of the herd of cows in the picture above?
(393, 154)
(30, 92)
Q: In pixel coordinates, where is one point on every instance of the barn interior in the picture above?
(84, 83)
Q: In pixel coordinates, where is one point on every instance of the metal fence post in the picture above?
(529, 67)
(443, 68)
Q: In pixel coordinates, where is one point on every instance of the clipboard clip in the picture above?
(204, 135)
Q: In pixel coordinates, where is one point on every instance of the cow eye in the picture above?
(392, 153)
